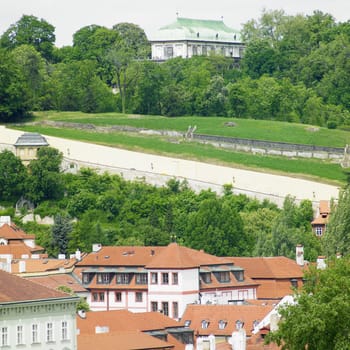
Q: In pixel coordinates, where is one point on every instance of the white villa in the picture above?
(164, 279)
(190, 37)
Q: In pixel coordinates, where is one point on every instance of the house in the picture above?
(33, 316)
(15, 243)
(188, 37)
(276, 276)
(27, 146)
(164, 279)
(320, 222)
(147, 326)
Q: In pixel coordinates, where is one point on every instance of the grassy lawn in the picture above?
(244, 128)
(307, 168)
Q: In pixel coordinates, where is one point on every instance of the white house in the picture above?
(35, 317)
(191, 37)
(162, 279)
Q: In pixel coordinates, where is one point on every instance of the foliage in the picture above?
(313, 322)
(61, 229)
(82, 305)
(13, 176)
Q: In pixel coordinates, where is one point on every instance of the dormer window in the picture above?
(222, 324)
(206, 277)
(223, 276)
(103, 278)
(122, 278)
(205, 324)
(187, 323)
(239, 275)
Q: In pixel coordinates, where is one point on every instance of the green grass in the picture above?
(245, 128)
(306, 168)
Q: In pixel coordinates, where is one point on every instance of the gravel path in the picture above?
(201, 175)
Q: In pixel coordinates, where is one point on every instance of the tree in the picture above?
(320, 318)
(61, 229)
(44, 180)
(13, 176)
(30, 30)
(337, 235)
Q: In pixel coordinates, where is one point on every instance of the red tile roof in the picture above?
(55, 281)
(324, 207)
(33, 266)
(17, 289)
(124, 320)
(227, 313)
(269, 267)
(122, 340)
(13, 232)
(151, 257)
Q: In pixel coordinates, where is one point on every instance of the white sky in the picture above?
(68, 16)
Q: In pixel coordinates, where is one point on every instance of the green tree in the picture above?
(337, 235)
(313, 321)
(30, 30)
(13, 176)
(44, 180)
(61, 229)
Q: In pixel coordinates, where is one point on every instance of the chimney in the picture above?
(78, 255)
(238, 340)
(22, 266)
(96, 247)
(321, 262)
(299, 253)
(212, 342)
(61, 256)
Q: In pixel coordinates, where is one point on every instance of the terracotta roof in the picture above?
(42, 265)
(320, 220)
(122, 340)
(13, 232)
(228, 314)
(17, 289)
(18, 249)
(152, 257)
(55, 281)
(269, 267)
(124, 320)
(324, 207)
(275, 289)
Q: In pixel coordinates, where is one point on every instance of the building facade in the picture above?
(164, 279)
(193, 37)
(35, 317)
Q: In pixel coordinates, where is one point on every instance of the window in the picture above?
(141, 278)
(165, 278)
(222, 324)
(118, 297)
(154, 306)
(223, 276)
(175, 309)
(20, 335)
(187, 323)
(206, 277)
(318, 231)
(103, 278)
(138, 297)
(35, 333)
(239, 275)
(49, 332)
(64, 330)
(165, 308)
(154, 277)
(205, 324)
(4, 336)
(123, 278)
(175, 278)
(98, 296)
(86, 278)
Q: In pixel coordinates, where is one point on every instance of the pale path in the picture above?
(203, 175)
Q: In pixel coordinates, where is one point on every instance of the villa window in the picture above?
(64, 330)
(165, 278)
(4, 336)
(35, 333)
(98, 296)
(154, 306)
(123, 278)
(154, 277)
(118, 297)
(165, 308)
(138, 297)
(141, 278)
(318, 231)
(20, 335)
(49, 332)
(175, 278)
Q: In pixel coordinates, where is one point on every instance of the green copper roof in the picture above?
(198, 30)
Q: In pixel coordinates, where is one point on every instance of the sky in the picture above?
(68, 16)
